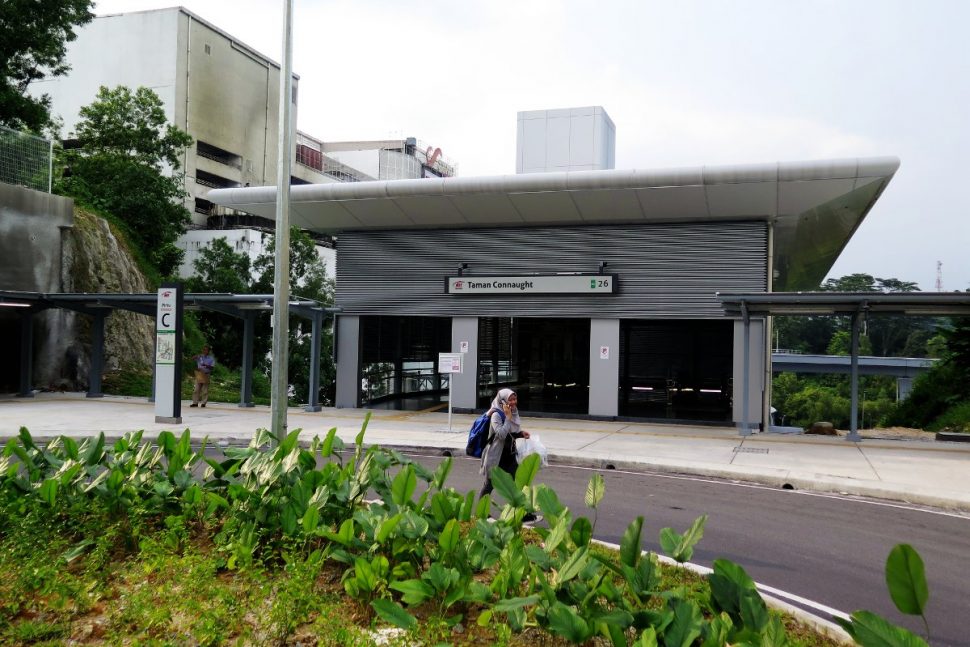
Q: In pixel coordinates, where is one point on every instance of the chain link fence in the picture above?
(25, 160)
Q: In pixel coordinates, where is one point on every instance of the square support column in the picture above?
(464, 385)
(246, 387)
(26, 355)
(313, 398)
(604, 367)
(348, 361)
(748, 374)
(97, 355)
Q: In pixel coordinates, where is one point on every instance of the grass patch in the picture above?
(163, 593)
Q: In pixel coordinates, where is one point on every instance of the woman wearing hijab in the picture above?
(500, 450)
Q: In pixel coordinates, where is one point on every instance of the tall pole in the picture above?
(281, 276)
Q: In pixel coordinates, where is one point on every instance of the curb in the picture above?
(781, 483)
(825, 627)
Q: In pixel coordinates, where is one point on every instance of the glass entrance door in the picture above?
(678, 370)
(546, 361)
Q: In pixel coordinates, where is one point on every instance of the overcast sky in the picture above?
(686, 83)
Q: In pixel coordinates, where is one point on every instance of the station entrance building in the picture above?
(591, 293)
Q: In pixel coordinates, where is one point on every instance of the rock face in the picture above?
(96, 260)
(822, 429)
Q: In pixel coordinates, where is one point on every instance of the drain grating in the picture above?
(749, 450)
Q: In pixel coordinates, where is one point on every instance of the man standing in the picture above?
(203, 369)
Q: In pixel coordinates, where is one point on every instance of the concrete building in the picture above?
(393, 159)
(592, 293)
(215, 87)
(569, 139)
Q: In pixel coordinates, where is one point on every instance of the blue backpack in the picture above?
(478, 435)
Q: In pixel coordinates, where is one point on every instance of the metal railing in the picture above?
(26, 160)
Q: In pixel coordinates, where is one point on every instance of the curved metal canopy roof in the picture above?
(815, 206)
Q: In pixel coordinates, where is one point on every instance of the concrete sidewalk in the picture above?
(923, 472)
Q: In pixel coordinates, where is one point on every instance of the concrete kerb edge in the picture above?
(825, 627)
(796, 483)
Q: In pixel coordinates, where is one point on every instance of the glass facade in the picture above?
(546, 362)
(399, 361)
(679, 370)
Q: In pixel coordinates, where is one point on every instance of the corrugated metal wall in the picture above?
(666, 271)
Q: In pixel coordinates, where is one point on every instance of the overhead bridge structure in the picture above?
(904, 369)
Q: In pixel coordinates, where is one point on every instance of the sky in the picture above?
(687, 83)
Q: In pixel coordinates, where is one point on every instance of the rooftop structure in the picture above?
(813, 207)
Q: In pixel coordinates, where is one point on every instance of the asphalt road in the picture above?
(830, 550)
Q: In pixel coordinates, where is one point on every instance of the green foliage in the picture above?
(415, 552)
(815, 402)
(934, 393)
(33, 38)
(841, 344)
(955, 419)
(681, 547)
(125, 144)
(803, 400)
(906, 579)
(309, 280)
(220, 269)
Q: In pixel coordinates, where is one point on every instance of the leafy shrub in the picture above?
(954, 419)
(421, 549)
(931, 397)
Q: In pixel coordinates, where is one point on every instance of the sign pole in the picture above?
(168, 354)
(279, 387)
(450, 363)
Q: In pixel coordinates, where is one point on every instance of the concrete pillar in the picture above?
(464, 386)
(26, 355)
(246, 386)
(348, 361)
(151, 396)
(854, 381)
(313, 401)
(755, 365)
(97, 355)
(903, 386)
(604, 367)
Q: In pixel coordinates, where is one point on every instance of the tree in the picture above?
(33, 35)
(220, 268)
(841, 344)
(126, 143)
(309, 280)
(888, 333)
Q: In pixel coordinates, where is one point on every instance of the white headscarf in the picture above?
(502, 398)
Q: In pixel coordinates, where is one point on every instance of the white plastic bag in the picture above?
(531, 445)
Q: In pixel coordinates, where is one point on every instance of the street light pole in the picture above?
(281, 275)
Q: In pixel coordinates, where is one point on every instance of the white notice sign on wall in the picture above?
(604, 352)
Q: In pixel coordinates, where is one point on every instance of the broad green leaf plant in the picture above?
(420, 544)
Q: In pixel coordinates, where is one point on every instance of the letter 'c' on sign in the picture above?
(165, 323)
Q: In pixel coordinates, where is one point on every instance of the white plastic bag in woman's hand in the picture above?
(531, 445)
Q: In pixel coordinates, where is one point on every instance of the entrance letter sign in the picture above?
(168, 354)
